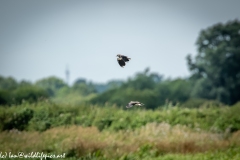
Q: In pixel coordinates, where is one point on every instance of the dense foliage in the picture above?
(91, 132)
(12, 92)
(215, 75)
(198, 104)
(45, 115)
(149, 88)
(216, 67)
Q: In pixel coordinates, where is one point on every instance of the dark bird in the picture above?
(122, 59)
(133, 103)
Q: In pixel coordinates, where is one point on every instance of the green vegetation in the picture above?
(44, 115)
(196, 117)
(149, 88)
(109, 132)
(12, 92)
(88, 143)
(216, 68)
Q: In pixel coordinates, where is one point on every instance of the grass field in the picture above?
(93, 132)
(153, 141)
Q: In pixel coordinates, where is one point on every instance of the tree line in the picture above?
(215, 76)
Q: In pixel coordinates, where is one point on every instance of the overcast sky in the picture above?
(39, 39)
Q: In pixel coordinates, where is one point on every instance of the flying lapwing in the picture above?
(133, 103)
(122, 59)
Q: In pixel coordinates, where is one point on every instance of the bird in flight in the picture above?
(122, 59)
(133, 103)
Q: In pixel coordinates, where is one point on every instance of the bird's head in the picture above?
(119, 55)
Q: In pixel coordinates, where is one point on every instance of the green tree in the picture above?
(51, 84)
(100, 88)
(143, 80)
(5, 97)
(174, 91)
(83, 87)
(29, 93)
(148, 88)
(13, 92)
(216, 67)
(8, 83)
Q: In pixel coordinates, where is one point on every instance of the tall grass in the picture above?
(152, 139)
(45, 115)
(108, 132)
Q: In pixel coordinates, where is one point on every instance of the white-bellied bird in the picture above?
(122, 59)
(134, 103)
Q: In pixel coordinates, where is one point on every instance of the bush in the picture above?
(5, 97)
(198, 102)
(30, 94)
(44, 115)
(16, 119)
(231, 119)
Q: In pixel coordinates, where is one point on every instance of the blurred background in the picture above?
(58, 67)
(46, 38)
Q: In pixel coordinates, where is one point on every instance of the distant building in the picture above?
(67, 72)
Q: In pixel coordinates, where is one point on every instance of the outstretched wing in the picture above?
(133, 103)
(129, 105)
(136, 103)
(125, 58)
(121, 62)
